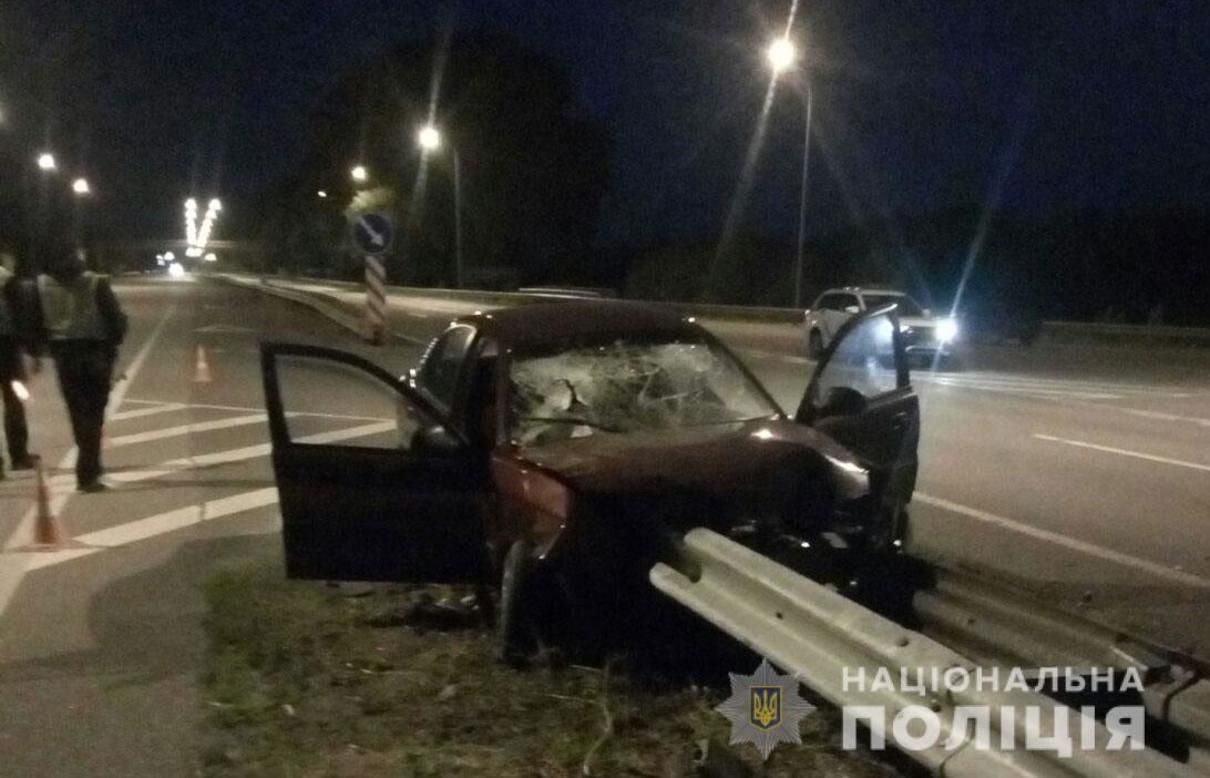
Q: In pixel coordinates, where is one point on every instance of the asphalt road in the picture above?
(1082, 473)
(101, 644)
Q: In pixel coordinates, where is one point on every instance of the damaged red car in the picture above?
(555, 452)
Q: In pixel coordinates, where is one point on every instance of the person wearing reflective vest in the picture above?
(16, 431)
(77, 315)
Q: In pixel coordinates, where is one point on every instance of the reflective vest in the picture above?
(6, 315)
(71, 312)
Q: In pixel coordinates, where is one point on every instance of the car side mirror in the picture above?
(435, 439)
(852, 309)
(842, 401)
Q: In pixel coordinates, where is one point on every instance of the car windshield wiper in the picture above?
(571, 420)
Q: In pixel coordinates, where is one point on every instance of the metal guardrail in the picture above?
(995, 625)
(1125, 333)
(819, 635)
(1052, 331)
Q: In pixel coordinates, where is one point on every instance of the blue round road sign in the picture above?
(372, 233)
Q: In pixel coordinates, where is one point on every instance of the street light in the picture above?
(46, 162)
(782, 55)
(429, 140)
(360, 174)
(80, 187)
(321, 194)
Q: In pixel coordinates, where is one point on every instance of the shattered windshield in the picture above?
(628, 385)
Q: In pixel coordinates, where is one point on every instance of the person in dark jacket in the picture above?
(12, 369)
(75, 312)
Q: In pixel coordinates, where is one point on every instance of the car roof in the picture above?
(867, 290)
(540, 323)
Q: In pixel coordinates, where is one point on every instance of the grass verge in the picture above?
(304, 680)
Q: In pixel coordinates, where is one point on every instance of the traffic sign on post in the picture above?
(372, 235)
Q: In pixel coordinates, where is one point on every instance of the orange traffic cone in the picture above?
(46, 527)
(201, 367)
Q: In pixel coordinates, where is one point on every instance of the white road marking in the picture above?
(417, 315)
(1008, 384)
(778, 355)
(40, 559)
(134, 531)
(1162, 416)
(152, 526)
(138, 413)
(1091, 549)
(225, 329)
(1147, 414)
(1124, 452)
(1044, 387)
(250, 409)
(13, 569)
(186, 429)
(232, 456)
(1025, 391)
(1066, 384)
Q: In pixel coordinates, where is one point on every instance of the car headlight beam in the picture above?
(947, 330)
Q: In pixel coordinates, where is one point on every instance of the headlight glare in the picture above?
(947, 330)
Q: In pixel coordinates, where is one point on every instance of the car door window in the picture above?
(441, 367)
(329, 403)
(863, 362)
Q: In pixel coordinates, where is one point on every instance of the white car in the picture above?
(925, 334)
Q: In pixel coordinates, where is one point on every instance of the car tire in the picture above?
(515, 640)
(814, 345)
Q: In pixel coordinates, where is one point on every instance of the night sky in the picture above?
(918, 105)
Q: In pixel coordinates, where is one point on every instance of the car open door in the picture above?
(374, 485)
(861, 396)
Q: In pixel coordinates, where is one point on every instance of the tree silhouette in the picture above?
(533, 166)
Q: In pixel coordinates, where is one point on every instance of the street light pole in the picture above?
(80, 191)
(429, 139)
(457, 219)
(782, 56)
(802, 194)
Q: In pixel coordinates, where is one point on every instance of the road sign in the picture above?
(372, 233)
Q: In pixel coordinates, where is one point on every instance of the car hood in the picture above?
(718, 459)
(918, 322)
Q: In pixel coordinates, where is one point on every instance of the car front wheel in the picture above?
(514, 630)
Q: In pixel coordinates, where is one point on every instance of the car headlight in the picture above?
(947, 330)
